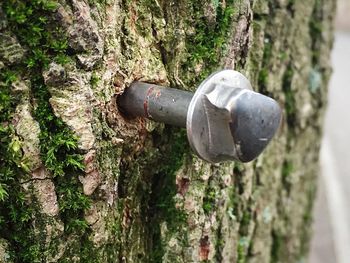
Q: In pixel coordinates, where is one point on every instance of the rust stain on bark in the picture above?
(182, 185)
(204, 248)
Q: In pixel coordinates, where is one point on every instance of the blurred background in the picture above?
(331, 240)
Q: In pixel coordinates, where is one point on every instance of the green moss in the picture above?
(244, 222)
(219, 244)
(241, 250)
(289, 96)
(209, 200)
(264, 72)
(234, 207)
(98, 2)
(15, 213)
(263, 78)
(10, 154)
(33, 23)
(276, 247)
(291, 7)
(315, 29)
(287, 169)
(267, 50)
(206, 45)
(164, 189)
(94, 80)
(283, 56)
(238, 168)
(150, 188)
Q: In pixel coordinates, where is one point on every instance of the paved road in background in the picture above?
(331, 242)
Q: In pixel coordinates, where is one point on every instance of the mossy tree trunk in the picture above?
(79, 183)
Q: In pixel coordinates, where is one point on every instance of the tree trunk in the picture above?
(79, 182)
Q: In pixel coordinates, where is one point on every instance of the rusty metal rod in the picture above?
(225, 119)
(155, 102)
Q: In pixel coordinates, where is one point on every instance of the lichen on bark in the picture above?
(80, 182)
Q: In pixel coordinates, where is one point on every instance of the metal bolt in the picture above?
(225, 119)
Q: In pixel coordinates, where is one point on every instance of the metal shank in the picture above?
(155, 102)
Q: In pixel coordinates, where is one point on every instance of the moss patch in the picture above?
(162, 203)
(33, 23)
(207, 43)
(287, 169)
(289, 96)
(15, 213)
(276, 247)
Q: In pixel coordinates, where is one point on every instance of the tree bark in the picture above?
(79, 182)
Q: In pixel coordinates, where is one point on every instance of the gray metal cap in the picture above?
(227, 120)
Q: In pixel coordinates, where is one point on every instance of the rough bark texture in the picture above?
(80, 183)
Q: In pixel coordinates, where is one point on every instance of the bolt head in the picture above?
(227, 120)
